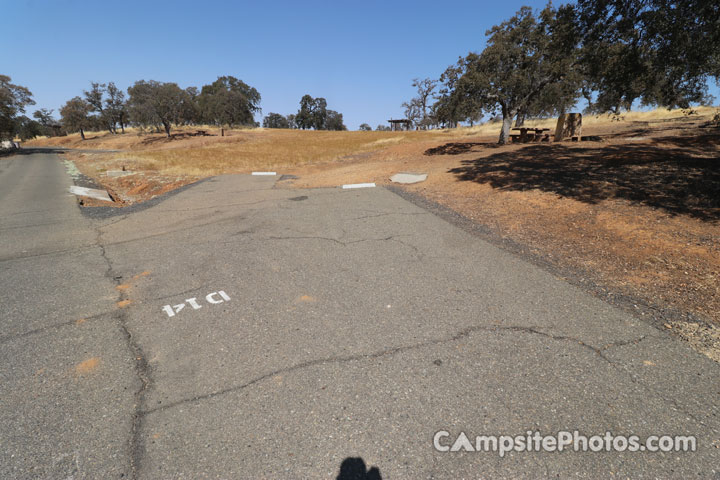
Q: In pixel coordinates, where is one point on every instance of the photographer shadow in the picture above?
(355, 469)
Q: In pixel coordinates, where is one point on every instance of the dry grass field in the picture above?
(637, 213)
(241, 151)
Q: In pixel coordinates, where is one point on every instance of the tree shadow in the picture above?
(680, 175)
(355, 469)
(175, 136)
(458, 148)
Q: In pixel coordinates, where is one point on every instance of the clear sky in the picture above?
(361, 55)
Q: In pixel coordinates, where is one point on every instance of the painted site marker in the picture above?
(264, 173)
(212, 298)
(358, 185)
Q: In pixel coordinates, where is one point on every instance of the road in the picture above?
(239, 330)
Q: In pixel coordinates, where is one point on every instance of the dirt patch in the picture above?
(125, 190)
(87, 366)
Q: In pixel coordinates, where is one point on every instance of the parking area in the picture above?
(239, 330)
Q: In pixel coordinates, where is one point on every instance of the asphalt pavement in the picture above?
(240, 330)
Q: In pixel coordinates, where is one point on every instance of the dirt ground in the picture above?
(637, 212)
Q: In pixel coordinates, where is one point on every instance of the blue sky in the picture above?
(361, 56)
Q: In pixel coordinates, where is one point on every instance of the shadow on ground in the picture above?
(175, 136)
(680, 175)
(458, 148)
(355, 469)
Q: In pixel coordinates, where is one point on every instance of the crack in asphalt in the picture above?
(622, 343)
(29, 333)
(383, 353)
(179, 229)
(108, 224)
(142, 369)
(58, 221)
(45, 254)
(597, 352)
(221, 205)
(385, 214)
(392, 238)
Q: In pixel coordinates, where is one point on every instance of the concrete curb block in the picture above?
(358, 185)
(91, 192)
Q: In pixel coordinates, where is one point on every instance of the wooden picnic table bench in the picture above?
(530, 134)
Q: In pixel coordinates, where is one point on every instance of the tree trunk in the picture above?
(122, 127)
(167, 128)
(520, 119)
(505, 132)
(82, 134)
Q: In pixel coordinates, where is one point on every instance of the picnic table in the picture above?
(530, 134)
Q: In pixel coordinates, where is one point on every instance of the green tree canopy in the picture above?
(453, 104)
(334, 121)
(115, 107)
(526, 57)
(658, 52)
(13, 100)
(275, 120)
(74, 115)
(28, 128)
(229, 101)
(365, 127)
(44, 116)
(95, 97)
(155, 103)
(314, 113)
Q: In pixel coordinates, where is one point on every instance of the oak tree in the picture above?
(13, 100)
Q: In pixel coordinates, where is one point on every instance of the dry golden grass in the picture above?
(656, 115)
(241, 151)
(268, 150)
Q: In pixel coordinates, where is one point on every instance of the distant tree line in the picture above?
(148, 104)
(313, 114)
(157, 106)
(227, 101)
(613, 53)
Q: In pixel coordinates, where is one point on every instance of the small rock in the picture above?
(408, 177)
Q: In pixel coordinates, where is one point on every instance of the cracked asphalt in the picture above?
(358, 324)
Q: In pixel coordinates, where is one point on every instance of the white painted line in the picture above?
(359, 185)
(91, 192)
(264, 173)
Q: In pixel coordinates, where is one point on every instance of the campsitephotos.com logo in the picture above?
(531, 441)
